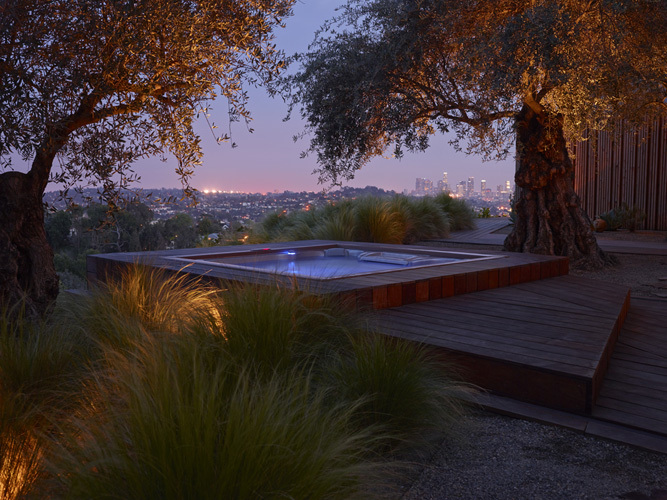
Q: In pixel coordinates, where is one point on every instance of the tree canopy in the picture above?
(387, 74)
(103, 83)
(95, 85)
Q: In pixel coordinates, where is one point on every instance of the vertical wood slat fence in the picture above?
(627, 165)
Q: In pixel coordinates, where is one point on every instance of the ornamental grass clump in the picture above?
(156, 386)
(377, 222)
(371, 219)
(460, 214)
(166, 423)
(20, 448)
(141, 300)
(273, 328)
(401, 386)
(42, 371)
(337, 222)
(423, 218)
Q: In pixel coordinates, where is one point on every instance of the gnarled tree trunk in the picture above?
(549, 217)
(27, 273)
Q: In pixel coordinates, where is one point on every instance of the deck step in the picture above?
(546, 342)
(634, 393)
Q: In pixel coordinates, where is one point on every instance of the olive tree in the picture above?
(386, 75)
(89, 86)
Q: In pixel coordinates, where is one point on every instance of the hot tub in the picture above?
(331, 262)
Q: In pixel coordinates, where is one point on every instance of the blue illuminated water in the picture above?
(330, 264)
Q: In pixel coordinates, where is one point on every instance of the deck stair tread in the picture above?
(554, 331)
(634, 391)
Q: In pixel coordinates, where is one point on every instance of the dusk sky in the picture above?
(269, 159)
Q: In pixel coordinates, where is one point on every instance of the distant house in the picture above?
(628, 166)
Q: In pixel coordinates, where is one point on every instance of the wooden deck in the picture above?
(517, 326)
(634, 392)
(546, 342)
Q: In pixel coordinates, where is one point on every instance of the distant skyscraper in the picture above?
(445, 182)
(470, 188)
(462, 188)
(508, 188)
(419, 185)
(423, 186)
(482, 186)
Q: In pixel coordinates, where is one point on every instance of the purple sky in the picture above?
(269, 159)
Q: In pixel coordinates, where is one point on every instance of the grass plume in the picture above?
(159, 386)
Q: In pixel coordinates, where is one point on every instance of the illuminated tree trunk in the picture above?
(27, 274)
(549, 217)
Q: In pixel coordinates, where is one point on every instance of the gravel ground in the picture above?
(497, 457)
(502, 458)
(642, 273)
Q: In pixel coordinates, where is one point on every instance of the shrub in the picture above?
(42, 370)
(484, 213)
(630, 217)
(159, 386)
(460, 214)
(612, 219)
(402, 387)
(171, 426)
(373, 219)
(376, 222)
(272, 328)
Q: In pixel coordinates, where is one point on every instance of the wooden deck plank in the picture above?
(494, 306)
(496, 344)
(578, 291)
(640, 407)
(631, 419)
(634, 391)
(503, 309)
(521, 295)
(529, 313)
(627, 388)
(613, 395)
(620, 369)
(555, 338)
(518, 329)
(642, 358)
(640, 325)
(653, 335)
(462, 344)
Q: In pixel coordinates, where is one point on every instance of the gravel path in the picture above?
(502, 458)
(498, 457)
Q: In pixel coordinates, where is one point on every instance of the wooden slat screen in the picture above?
(627, 165)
